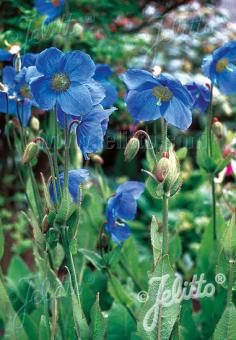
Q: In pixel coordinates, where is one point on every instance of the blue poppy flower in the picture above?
(220, 69)
(51, 8)
(66, 80)
(75, 178)
(91, 129)
(201, 95)
(29, 59)
(122, 206)
(150, 98)
(102, 73)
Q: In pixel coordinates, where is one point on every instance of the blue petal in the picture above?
(96, 90)
(118, 231)
(143, 105)
(206, 67)
(178, 114)
(5, 55)
(76, 100)
(134, 78)
(50, 61)
(78, 66)
(29, 59)
(111, 94)
(102, 72)
(134, 188)
(227, 80)
(8, 76)
(43, 94)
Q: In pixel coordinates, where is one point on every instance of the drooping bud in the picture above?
(77, 29)
(162, 169)
(34, 124)
(45, 224)
(30, 152)
(18, 63)
(97, 159)
(132, 148)
(218, 128)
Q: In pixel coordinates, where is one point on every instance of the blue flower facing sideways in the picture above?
(201, 96)
(102, 74)
(66, 81)
(122, 206)
(220, 68)
(91, 128)
(150, 98)
(75, 178)
(51, 8)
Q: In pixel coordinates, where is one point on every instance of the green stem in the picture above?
(213, 193)
(165, 232)
(164, 135)
(55, 148)
(142, 132)
(40, 139)
(67, 146)
(231, 280)
(70, 261)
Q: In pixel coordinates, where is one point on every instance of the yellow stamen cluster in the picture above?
(60, 82)
(162, 93)
(222, 64)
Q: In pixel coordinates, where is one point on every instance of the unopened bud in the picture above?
(30, 152)
(162, 169)
(78, 29)
(218, 129)
(18, 63)
(104, 240)
(132, 148)
(2, 87)
(45, 224)
(34, 124)
(97, 159)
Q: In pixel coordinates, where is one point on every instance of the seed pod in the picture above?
(34, 124)
(218, 129)
(30, 152)
(162, 169)
(45, 224)
(132, 148)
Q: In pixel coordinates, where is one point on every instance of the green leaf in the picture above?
(226, 327)
(120, 323)
(98, 322)
(43, 329)
(1, 242)
(182, 153)
(155, 189)
(118, 291)
(93, 257)
(222, 164)
(204, 161)
(155, 318)
(113, 257)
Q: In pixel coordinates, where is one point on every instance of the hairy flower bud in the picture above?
(132, 148)
(45, 224)
(218, 129)
(97, 159)
(162, 169)
(30, 152)
(34, 124)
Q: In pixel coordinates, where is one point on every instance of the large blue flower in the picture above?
(220, 69)
(51, 8)
(201, 96)
(122, 206)
(66, 80)
(91, 128)
(102, 74)
(75, 178)
(150, 98)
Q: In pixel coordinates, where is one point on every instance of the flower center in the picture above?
(162, 93)
(25, 92)
(222, 64)
(56, 3)
(60, 82)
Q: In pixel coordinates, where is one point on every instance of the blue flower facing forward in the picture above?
(75, 178)
(51, 8)
(66, 81)
(150, 98)
(122, 206)
(220, 69)
(102, 74)
(201, 96)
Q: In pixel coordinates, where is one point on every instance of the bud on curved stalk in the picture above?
(30, 152)
(45, 224)
(18, 63)
(218, 128)
(162, 168)
(34, 124)
(132, 148)
(97, 159)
